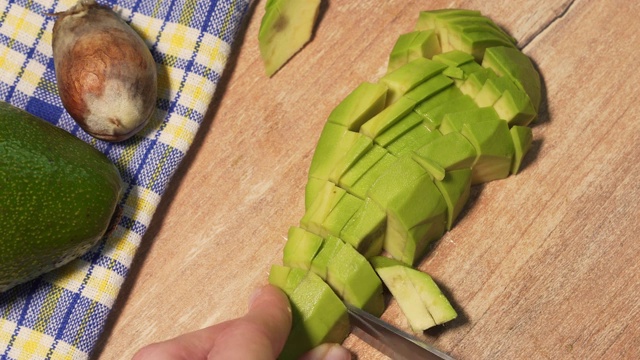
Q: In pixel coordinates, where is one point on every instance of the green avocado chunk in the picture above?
(365, 230)
(411, 46)
(360, 105)
(301, 247)
(451, 151)
(355, 172)
(493, 143)
(387, 117)
(410, 75)
(318, 314)
(286, 27)
(511, 62)
(398, 129)
(475, 81)
(418, 296)
(455, 188)
(453, 122)
(358, 149)
(434, 116)
(363, 184)
(413, 139)
(453, 58)
(331, 210)
(522, 139)
(58, 196)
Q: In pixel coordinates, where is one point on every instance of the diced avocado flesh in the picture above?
(398, 130)
(434, 116)
(318, 314)
(326, 200)
(362, 186)
(475, 81)
(522, 139)
(358, 149)
(355, 172)
(510, 62)
(455, 188)
(494, 146)
(408, 76)
(451, 151)
(387, 117)
(360, 105)
(286, 27)
(452, 122)
(418, 296)
(453, 58)
(413, 139)
(411, 46)
(365, 230)
(301, 247)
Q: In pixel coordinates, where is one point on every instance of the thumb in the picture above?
(261, 333)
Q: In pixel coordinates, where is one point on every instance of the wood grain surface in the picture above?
(544, 264)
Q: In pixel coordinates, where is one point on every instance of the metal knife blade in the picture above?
(390, 340)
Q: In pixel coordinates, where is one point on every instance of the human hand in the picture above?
(260, 334)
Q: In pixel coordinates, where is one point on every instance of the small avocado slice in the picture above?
(358, 169)
(494, 146)
(397, 130)
(455, 188)
(286, 27)
(522, 139)
(399, 175)
(301, 247)
(363, 184)
(325, 201)
(58, 196)
(387, 117)
(423, 108)
(510, 62)
(367, 100)
(341, 214)
(408, 76)
(434, 116)
(358, 149)
(510, 102)
(365, 230)
(411, 140)
(433, 168)
(451, 151)
(418, 296)
(427, 19)
(416, 216)
(319, 316)
(453, 58)
(411, 46)
(352, 277)
(453, 122)
(429, 88)
(330, 247)
(475, 81)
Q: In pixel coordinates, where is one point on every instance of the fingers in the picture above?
(266, 325)
(327, 352)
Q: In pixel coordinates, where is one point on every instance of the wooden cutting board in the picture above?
(544, 264)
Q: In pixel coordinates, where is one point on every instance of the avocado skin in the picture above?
(57, 196)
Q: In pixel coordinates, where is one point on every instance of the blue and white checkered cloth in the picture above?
(62, 314)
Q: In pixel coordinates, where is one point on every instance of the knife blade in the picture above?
(390, 340)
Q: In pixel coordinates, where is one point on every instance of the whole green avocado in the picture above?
(58, 195)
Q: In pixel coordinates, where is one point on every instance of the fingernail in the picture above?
(328, 352)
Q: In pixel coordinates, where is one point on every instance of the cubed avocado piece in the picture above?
(335, 140)
(326, 199)
(411, 140)
(367, 100)
(387, 117)
(362, 185)
(475, 81)
(492, 90)
(454, 73)
(352, 277)
(451, 151)
(434, 116)
(429, 88)
(399, 175)
(424, 107)
(318, 314)
(411, 46)
(514, 107)
(473, 42)
(301, 247)
(453, 58)
(278, 276)
(522, 139)
(312, 189)
(416, 216)
(473, 23)
(286, 27)
(330, 247)
(358, 149)
(494, 146)
(427, 19)
(408, 76)
(366, 162)
(365, 230)
(432, 167)
(453, 122)
(340, 215)
(418, 296)
(400, 128)
(511, 62)
(455, 188)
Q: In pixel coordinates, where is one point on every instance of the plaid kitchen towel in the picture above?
(61, 314)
